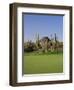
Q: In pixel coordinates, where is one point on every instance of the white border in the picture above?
(44, 77)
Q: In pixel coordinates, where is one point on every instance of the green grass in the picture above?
(44, 63)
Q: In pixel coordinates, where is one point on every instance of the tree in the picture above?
(44, 42)
(29, 46)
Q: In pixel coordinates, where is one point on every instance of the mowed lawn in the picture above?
(36, 64)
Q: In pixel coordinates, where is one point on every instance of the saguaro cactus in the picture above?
(37, 41)
(56, 43)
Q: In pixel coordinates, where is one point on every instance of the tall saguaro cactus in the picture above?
(37, 41)
(56, 43)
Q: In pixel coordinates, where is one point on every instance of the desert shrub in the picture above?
(29, 47)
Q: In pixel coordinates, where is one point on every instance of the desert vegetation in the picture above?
(44, 45)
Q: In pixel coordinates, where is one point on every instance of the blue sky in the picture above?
(44, 25)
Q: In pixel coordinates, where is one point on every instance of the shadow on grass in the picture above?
(42, 53)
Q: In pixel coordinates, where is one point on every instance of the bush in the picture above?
(29, 47)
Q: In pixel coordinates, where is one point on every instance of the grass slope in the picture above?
(35, 64)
